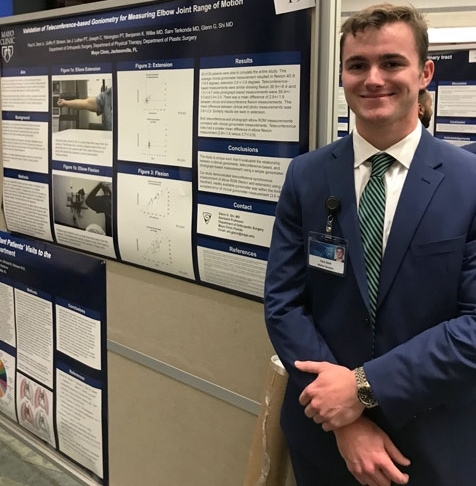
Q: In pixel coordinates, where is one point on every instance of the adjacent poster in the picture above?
(157, 135)
(53, 363)
(454, 94)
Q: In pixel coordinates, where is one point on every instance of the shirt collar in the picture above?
(403, 151)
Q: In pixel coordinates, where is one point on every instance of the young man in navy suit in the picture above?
(382, 384)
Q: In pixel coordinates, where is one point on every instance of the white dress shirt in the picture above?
(403, 152)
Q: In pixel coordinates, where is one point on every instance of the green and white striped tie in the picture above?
(371, 217)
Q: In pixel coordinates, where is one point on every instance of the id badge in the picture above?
(327, 253)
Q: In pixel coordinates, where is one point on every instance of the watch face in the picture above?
(366, 396)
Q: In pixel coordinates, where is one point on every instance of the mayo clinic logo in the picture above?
(7, 52)
(7, 41)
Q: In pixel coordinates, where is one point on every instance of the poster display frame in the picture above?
(190, 247)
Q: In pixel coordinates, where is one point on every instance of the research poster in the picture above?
(53, 362)
(454, 96)
(157, 135)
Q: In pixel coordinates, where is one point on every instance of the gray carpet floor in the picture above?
(22, 466)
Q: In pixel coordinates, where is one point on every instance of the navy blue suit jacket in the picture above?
(423, 367)
(471, 147)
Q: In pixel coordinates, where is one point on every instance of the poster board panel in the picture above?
(157, 135)
(53, 362)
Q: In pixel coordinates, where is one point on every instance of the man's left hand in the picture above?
(331, 399)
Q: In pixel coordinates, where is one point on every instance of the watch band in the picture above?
(364, 391)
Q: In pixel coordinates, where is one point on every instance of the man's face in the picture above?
(381, 76)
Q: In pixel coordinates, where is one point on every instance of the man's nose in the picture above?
(374, 76)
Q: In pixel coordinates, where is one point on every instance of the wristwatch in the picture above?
(364, 390)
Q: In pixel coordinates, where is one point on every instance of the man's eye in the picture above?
(392, 64)
(355, 67)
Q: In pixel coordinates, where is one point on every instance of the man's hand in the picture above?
(331, 399)
(370, 455)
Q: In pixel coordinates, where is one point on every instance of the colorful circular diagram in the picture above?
(3, 379)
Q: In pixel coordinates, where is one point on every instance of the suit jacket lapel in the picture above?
(421, 182)
(340, 171)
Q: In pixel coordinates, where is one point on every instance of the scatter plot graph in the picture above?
(160, 103)
(154, 222)
(153, 94)
(155, 205)
(157, 252)
(153, 145)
